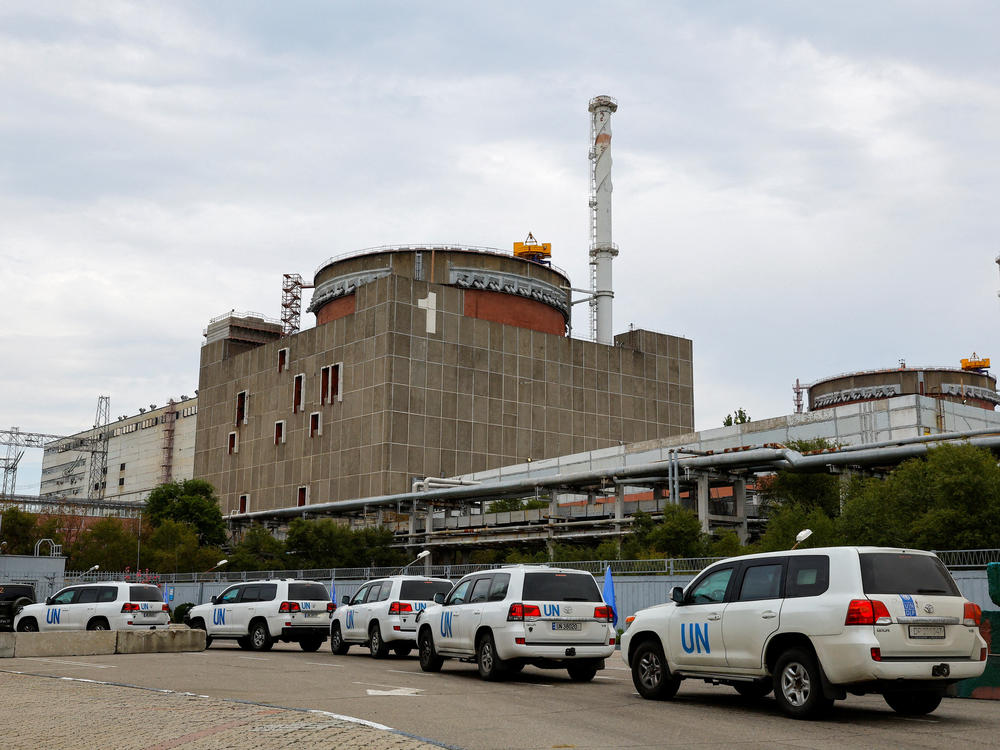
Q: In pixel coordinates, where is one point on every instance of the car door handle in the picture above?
(768, 614)
(715, 617)
(477, 612)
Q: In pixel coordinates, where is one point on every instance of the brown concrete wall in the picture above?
(514, 311)
(335, 309)
(472, 394)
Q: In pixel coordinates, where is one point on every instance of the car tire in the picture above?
(260, 637)
(98, 623)
(18, 606)
(199, 624)
(582, 672)
(243, 642)
(754, 690)
(429, 659)
(311, 644)
(913, 702)
(402, 651)
(337, 643)
(798, 685)
(491, 666)
(27, 625)
(650, 673)
(379, 649)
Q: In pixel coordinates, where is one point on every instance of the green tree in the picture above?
(258, 550)
(510, 504)
(788, 520)
(796, 488)
(107, 543)
(18, 529)
(324, 543)
(191, 501)
(737, 417)
(678, 534)
(173, 547)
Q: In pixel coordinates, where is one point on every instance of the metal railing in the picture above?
(959, 559)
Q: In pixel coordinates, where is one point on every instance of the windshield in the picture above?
(560, 587)
(423, 591)
(308, 592)
(902, 573)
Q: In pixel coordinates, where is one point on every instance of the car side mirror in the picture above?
(48, 600)
(677, 595)
(215, 600)
(345, 599)
(439, 598)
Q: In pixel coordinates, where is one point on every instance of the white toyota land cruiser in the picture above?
(258, 613)
(506, 618)
(382, 614)
(813, 625)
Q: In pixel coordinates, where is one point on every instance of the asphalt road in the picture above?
(537, 709)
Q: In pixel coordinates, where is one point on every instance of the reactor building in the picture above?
(432, 361)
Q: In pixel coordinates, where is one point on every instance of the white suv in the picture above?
(258, 613)
(109, 605)
(813, 625)
(506, 618)
(382, 614)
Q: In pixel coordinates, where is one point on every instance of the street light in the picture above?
(221, 562)
(91, 569)
(421, 556)
(801, 537)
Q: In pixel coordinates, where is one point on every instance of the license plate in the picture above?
(150, 614)
(926, 631)
(565, 626)
(312, 614)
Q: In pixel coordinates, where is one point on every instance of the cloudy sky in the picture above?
(801, 188)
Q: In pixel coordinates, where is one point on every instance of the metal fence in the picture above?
(965, 559)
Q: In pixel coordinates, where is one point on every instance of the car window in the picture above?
(712, 588)
(88, 595)
(498, 589)
(107, 594)
(360, 594)
(560, 587)
(307, 591)
(66, 596)
(373, 592)
(144, 593)
(250, 593)
(268, 592)
(386, 590)
(460, 594)
(480, 590)
(903, 573)
(761, 582)
(808, 575)
(423, 591)
(229, 595)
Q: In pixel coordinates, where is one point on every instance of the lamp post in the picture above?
(91, 569)
(801, 537)
(421, 556)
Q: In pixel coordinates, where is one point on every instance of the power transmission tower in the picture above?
(99, 458)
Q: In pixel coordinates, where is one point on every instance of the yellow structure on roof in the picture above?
(975, 362)
(532, 249)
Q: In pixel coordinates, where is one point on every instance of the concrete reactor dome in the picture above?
(497, 286)
(973, 387)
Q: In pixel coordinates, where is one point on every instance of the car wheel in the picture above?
(337, 643)
(913, 702)
(199, 624)
(19, 605)
(491, 667)
(244, 642)
(650, 674)
(754, 690)
(311, 644)
(402, 651)
(27, 625)
(260, 638)
(798, 687)
(98, 623)
(583, 672)
(378, 647)
(429, 659)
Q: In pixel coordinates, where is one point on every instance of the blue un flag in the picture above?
(609, 594)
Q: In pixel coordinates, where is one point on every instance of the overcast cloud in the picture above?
(801, 188)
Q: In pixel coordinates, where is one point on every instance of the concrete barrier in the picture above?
(6, 645)
(160, 641)
(66, 643)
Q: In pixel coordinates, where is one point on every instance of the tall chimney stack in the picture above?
(602, 249)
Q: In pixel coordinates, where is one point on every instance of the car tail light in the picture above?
(166, 608)
(520, 611)
(331, 607)
(876, 654)
(397, 608)
(973, 614)
(130, 607)
(611, 641)
(287, 607)
(867, 612)
(604, 614)
(519, 641)
(983, 653)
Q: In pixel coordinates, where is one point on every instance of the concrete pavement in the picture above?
(57, 713)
